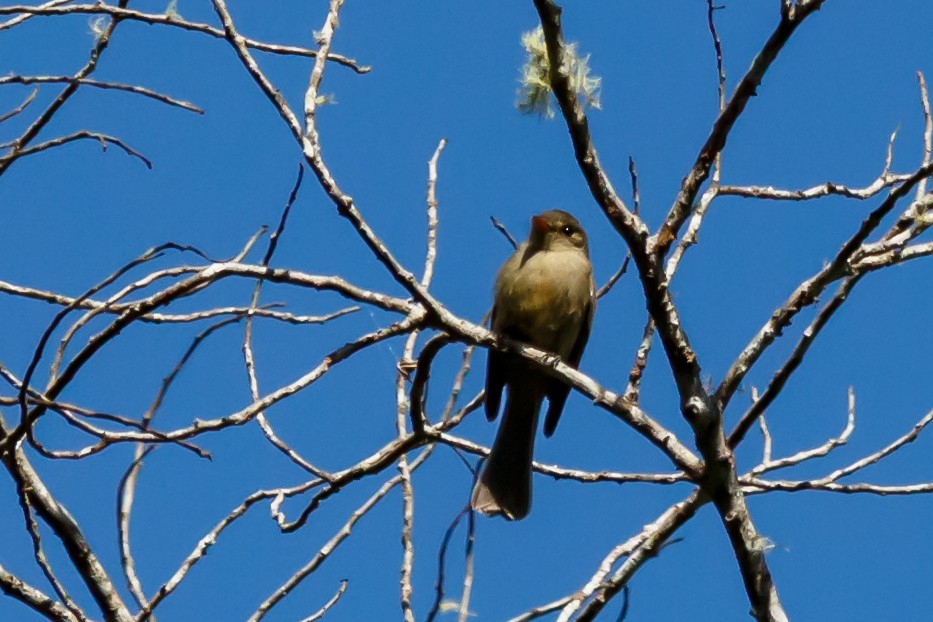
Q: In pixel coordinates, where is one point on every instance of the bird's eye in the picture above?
(567, 230)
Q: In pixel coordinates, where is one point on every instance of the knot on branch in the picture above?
(697, 410)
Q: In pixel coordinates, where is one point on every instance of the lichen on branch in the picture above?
(534, 95)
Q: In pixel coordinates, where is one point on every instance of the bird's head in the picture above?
(556, 230)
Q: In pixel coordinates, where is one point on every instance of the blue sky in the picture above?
(824, 112)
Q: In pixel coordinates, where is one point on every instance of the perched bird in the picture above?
(544, 297)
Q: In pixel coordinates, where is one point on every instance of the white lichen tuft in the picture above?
(171, 11)
(326, 99)
(764, 545)
(452, 606)
(534, 95)
(98, 25)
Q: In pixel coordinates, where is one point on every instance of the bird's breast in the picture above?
(545, 299)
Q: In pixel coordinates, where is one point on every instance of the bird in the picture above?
(545, 297)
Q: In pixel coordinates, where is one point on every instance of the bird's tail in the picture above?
(504, 486)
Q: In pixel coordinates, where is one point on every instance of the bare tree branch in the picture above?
(33, 598)
(320, 613)
(332, 544)
(808, 292)
(66, 529)
(103, 139)
(120, 12)
(29, 135)
(112, 308)
(25, 104)
(129, 88)
(604, 585)
(768, 464)
(793, 361)
(726, 120)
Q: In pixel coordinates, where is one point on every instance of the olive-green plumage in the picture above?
(545, 297)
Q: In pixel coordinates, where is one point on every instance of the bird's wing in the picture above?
(496, 363)
(558, 390)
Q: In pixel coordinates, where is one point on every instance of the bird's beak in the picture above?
(539, 224)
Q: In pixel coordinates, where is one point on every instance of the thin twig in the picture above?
(25, 104)
(501, 229)
(431, 199)
(605, 289)
(330, 603)
(793, 361)
(406, 585)
(604, 584)
(809, 291)
(266, 311)
(33, 598)
(559, 472)
(342, 534)
(459, 379)
(126, 493)
(464, 613)
(117, 86)
(210, 539)
(39, 554)
(716, 141)
(442, 565)
(721, 79)
(927, 132)
(248, 356)
(767, 464)
(22, 18)
(879, 184)
(63, 525)
(122, 13)
(881, 454)
(101, 42)
(103, 139)
(759, 486)
(637, 372)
